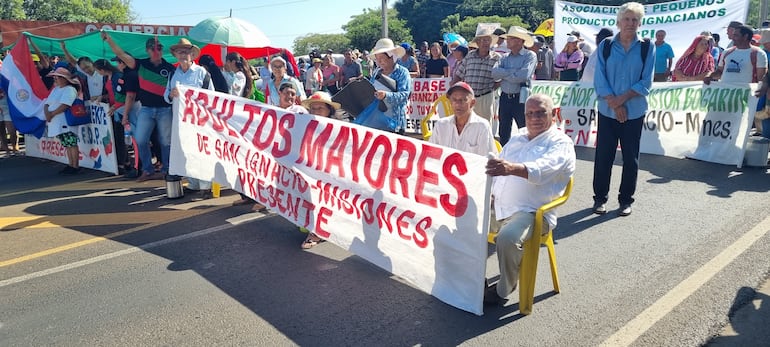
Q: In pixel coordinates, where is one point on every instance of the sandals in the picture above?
(310, 242)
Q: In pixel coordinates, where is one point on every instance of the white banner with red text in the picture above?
(425, 91)
(412, 208)
(684, 119)
(96, 143)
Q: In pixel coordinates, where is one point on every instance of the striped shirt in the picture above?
(152, 82)
(478, 71)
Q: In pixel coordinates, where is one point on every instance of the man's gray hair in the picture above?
(544, 99)
(633, 7)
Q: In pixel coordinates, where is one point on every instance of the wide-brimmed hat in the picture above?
(320, 97)
(185, 43)
(521, 33)
(317, 60)
(64, 73)
(386, 45)
(484, 32)
(764, 36)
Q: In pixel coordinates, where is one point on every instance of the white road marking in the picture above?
(655, 312)
(112, 255)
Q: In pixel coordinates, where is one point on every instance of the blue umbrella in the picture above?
(452, 37)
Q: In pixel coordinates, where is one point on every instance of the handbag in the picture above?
(77, 114)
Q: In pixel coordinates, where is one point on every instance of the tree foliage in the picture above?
(104, 11)
(322, 42)
(531, 12)
(363, 30)
(467, 26)
(424, 17)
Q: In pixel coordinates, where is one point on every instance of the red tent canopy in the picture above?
(219, 52)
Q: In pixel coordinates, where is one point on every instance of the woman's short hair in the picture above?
(633, 7)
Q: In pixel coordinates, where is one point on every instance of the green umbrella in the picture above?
(229, 31)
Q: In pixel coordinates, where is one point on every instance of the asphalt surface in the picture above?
(690, 260)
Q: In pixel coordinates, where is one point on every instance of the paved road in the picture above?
(96, 260)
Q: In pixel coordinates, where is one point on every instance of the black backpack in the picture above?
(607, 49)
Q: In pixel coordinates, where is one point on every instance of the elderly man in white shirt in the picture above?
(464, 130)
(188, 73)
(533, 169)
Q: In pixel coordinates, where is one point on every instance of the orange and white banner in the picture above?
(417, 210)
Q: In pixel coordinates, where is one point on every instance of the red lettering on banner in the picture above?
(189, 106)
(455, 161)
(358, 147)
(321, 221)
(227, 151)
(203, 144)
(311, 152)
(253, 110)
(420, 229)
(383, 218)
(284, 125)
(336, 154)
(203, 99)
(379, 181)
(424, 176)
(402, 224)
(268, 117)
(367, 210)
(224, 115)
(402, 173)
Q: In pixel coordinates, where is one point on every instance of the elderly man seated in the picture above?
(533, 169)
(464, 130)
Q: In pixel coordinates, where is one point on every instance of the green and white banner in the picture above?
(682, 21)
(684, 119)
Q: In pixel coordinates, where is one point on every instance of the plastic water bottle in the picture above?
(128, 133)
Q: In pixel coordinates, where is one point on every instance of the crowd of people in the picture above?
(491, 75)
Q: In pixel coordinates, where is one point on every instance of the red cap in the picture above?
(461, 85)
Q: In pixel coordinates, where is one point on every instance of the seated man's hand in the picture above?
(499, 167)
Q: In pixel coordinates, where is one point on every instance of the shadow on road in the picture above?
(749, 320)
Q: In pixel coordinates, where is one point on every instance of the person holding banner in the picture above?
(622, 81)
(532, 170)
(188, 73)
(464, 130)
(65, 91)
(288, 94)
(515, 70)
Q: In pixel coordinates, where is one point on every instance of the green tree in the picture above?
(531, 12)
(467, 26)
(12, 9)
(321, 42)
(363, 30)
(423, 17)
(111, 11)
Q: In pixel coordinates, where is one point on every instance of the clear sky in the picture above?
(281, 20)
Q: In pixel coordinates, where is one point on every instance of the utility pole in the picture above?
(762, 12)
(384, 31)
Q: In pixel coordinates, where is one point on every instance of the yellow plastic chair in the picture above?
(528, 271)
(442, 100)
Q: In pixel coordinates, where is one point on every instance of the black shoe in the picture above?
(625, 210)
(599, 208)
(69, 170)
(491, 297)
(131, 173)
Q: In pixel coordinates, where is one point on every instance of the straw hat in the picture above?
(387, 46)
(764, 37)
(323, 97)
(64, 73)
(521, 33)
(486, 32)
(185, 43)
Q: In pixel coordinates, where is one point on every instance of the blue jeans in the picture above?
(149, 119)
(510, 109)
(609, 133)
(766, 128)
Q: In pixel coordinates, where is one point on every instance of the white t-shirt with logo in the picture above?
(60, 96)
(736, 66)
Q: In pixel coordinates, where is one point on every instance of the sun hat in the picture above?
(279, 60)
(317, 60)
(386, 45)
(764, 36)
(460, 85)
(521, 33)
(64, 73)
(185, 43)
(484, 32)
(571, 39)
(323, 97)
